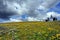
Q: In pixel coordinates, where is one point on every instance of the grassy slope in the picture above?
(30, 31)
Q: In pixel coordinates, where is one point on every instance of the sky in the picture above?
(28, 10)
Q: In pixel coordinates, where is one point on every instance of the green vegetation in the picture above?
(30, 31)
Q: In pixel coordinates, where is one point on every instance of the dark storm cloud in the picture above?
(2, 9)
(9, 8)
(5, 13)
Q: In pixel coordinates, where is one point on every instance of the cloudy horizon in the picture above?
(28, 10)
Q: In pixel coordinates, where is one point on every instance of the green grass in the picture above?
(30, 31)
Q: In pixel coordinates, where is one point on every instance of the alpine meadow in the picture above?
(30, 31)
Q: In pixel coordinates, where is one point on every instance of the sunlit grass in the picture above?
(30, 31)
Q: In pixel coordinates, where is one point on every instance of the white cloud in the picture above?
(15, 20)
(47, 4)
(12, 20)
(32, 19)
(30, 8)
(54, 14)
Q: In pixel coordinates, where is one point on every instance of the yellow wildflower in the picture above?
(53, 37)
(0, 38)
(50, 28)
(57, 35)
(46, 34)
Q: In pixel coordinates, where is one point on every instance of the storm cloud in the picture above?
(32, 8)
(5, 11)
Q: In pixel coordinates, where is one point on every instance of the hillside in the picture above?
(30, 31)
